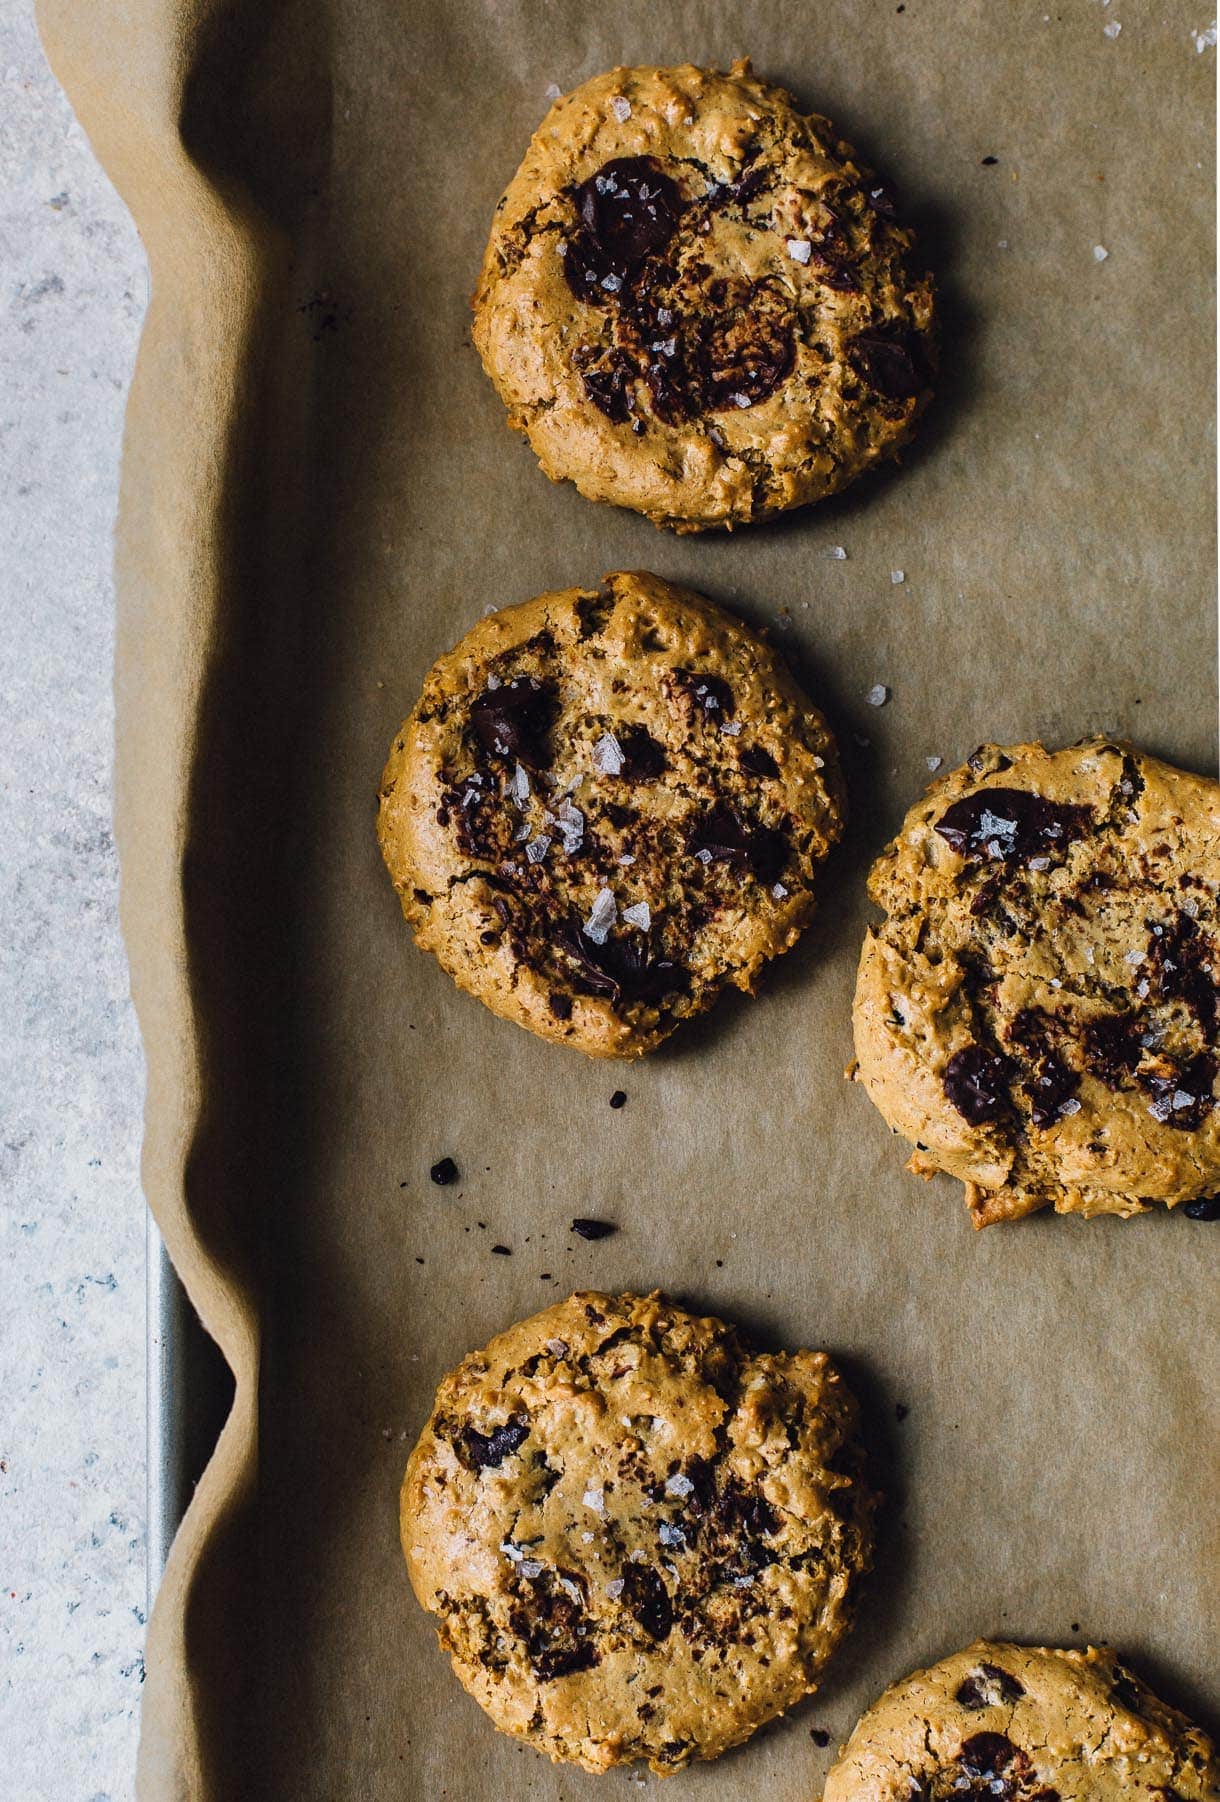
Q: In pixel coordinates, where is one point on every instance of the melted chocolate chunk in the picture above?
(647, 1601)
(1206, 1208)
(989, 1686)
(1184, 969)
(644, 758)
(1011, 825)
(1112, 1047)
(607, 378)
(514, 721)
(1182, 1093)
(744, 354)
(756, 761)
(560, 1004)
(554, 1627)
(624, 970)
(725, 837)
(988, 1768)
(486, 1451)
(976, 1083)
(989, 1754)
(628, 210)
(1048, 1083)
(886, 363)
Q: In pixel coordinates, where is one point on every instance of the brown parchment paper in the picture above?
(319, 496)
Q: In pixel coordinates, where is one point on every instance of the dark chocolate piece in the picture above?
(976, 1082)
(1011, 825)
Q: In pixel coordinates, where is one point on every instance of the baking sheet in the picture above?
(320, 495)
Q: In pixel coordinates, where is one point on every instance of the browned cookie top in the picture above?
(695, 302)
(1040, 1009)
(638, 1534)
(1007, 1723)
(607, 806)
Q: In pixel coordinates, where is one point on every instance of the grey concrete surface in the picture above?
(72, 1312)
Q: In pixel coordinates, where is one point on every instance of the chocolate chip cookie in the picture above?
(696, 302)
(608, 805)
(640, 1536)
(1004, 1723)
(1039, 1012)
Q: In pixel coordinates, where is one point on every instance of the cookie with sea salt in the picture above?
(1005, 1723)
(698, 303)
(608, 805)
(640, 1537)
(1039, 1011)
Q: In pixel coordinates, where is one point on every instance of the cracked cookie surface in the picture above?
(608, 805)
(1006, 1723)
(640, 1536)
(697, 303)
(1039, 1012)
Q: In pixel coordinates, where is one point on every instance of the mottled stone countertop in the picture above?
(72, 1264)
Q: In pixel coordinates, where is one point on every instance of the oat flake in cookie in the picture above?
(695, 302)
(639, 1536)
(1005, 1723)
(607, 806)
(1039, 1012)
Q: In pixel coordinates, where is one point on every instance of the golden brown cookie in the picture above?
(639, 1536)
(1039, 1011)
(1004, 1723)
(608, 805)
(696, 302)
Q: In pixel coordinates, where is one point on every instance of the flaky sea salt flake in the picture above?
(602, 916)
(897, 576)
(934, 763)
(639, 914)
(537, 848)
(877, 695)
(800, 249)
(1112, 28)
(779, 891)
(519, 787)
(838, 553)
(553, 91)
(569, 822)
(608, 755)
(1100, 253)
(1204, 40)
(594, 1498)
(620, 106)
(678, 1485)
